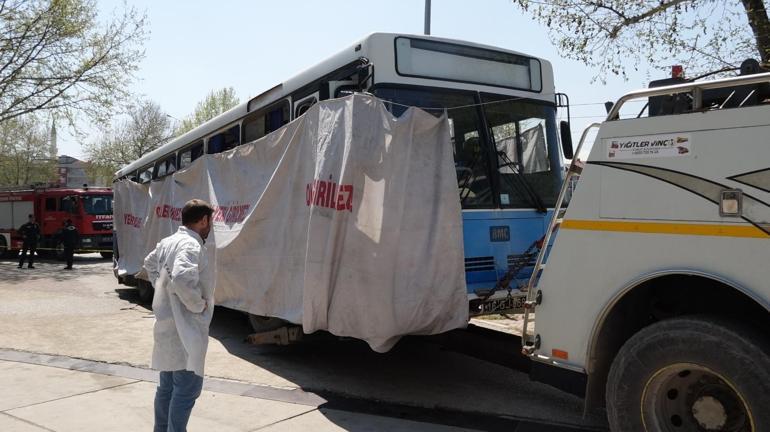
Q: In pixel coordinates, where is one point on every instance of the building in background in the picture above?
(73, 173)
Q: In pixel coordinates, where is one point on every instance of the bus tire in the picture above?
(145, 290)
(691, 373)
(262, 324)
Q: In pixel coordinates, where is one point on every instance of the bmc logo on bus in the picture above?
(328, 194)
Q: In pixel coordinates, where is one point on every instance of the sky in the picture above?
(197, 46)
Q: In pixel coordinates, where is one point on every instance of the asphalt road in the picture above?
(85, 314)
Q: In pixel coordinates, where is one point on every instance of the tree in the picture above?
(146, 128)
(25, 153)
(215, 103)
(58, 55)
(614, 35)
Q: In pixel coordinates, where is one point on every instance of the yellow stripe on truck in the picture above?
(743, 231)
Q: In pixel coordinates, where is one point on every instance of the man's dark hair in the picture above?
(195, 210)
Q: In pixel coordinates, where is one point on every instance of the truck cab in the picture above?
(655, 302)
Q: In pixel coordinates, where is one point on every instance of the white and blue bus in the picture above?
(502, 109)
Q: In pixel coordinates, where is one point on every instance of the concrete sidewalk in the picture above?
(54, 393)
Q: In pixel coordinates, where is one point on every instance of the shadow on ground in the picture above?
(90, 264)
(419, 379)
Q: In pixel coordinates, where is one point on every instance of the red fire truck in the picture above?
(90, 210)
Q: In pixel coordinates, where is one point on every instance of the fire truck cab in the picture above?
(90, 210)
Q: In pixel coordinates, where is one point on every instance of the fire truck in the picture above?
(90, 210)
(655, 301)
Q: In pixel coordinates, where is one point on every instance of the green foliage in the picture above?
(614, 36)
(215, 103)
(25, 153)
(146, 128)
(58, 55)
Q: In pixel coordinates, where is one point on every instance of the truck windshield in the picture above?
(97, 204)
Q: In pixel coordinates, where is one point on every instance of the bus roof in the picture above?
(351, 53)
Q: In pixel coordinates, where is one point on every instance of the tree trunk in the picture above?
(760, 25)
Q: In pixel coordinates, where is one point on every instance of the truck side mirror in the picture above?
(566, 139)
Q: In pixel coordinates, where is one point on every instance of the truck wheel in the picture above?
(4, 250)
(691, 374)
(106, 255)
(262, 323)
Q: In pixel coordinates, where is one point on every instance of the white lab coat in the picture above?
(183, 303)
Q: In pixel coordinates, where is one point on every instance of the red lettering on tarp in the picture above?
(166, 211)
(328, 194)
(231, 214)
(132, 221)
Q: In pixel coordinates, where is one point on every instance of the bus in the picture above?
(502, 110)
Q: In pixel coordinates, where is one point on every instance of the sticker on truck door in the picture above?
(648, 146)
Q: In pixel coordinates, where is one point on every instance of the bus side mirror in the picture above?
(566, 139)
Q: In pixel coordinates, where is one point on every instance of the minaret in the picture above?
(52, 144)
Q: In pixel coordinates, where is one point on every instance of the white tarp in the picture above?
(346, 220)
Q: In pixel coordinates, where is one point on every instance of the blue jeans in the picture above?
(174, 400)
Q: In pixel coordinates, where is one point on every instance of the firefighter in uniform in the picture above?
(31, 232)
(69, 239)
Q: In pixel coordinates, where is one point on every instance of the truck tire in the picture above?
(4, 249)
(691, 374)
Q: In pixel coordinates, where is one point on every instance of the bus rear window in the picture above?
(454, 62)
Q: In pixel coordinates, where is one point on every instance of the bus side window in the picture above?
(215, 144)
(160, 169)
(303, 107)
(145, 175)
(197, 151)
(226, 140)
(170, 164)
(277, 117)
(266, 120)
(187, 156)
(232, 137)
(254, 128)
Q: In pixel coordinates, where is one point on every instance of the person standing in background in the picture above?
(31, 233)
(69, 237)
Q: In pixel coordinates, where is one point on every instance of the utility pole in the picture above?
(427, 17)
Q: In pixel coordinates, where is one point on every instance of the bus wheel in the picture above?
(262, 324)
(106, 255)
(691, 374)
(145, 290)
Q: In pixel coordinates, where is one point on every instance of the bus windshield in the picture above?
(524, 138)
(513, 165)
(97, 204)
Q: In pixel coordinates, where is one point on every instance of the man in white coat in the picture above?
(183, 306)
